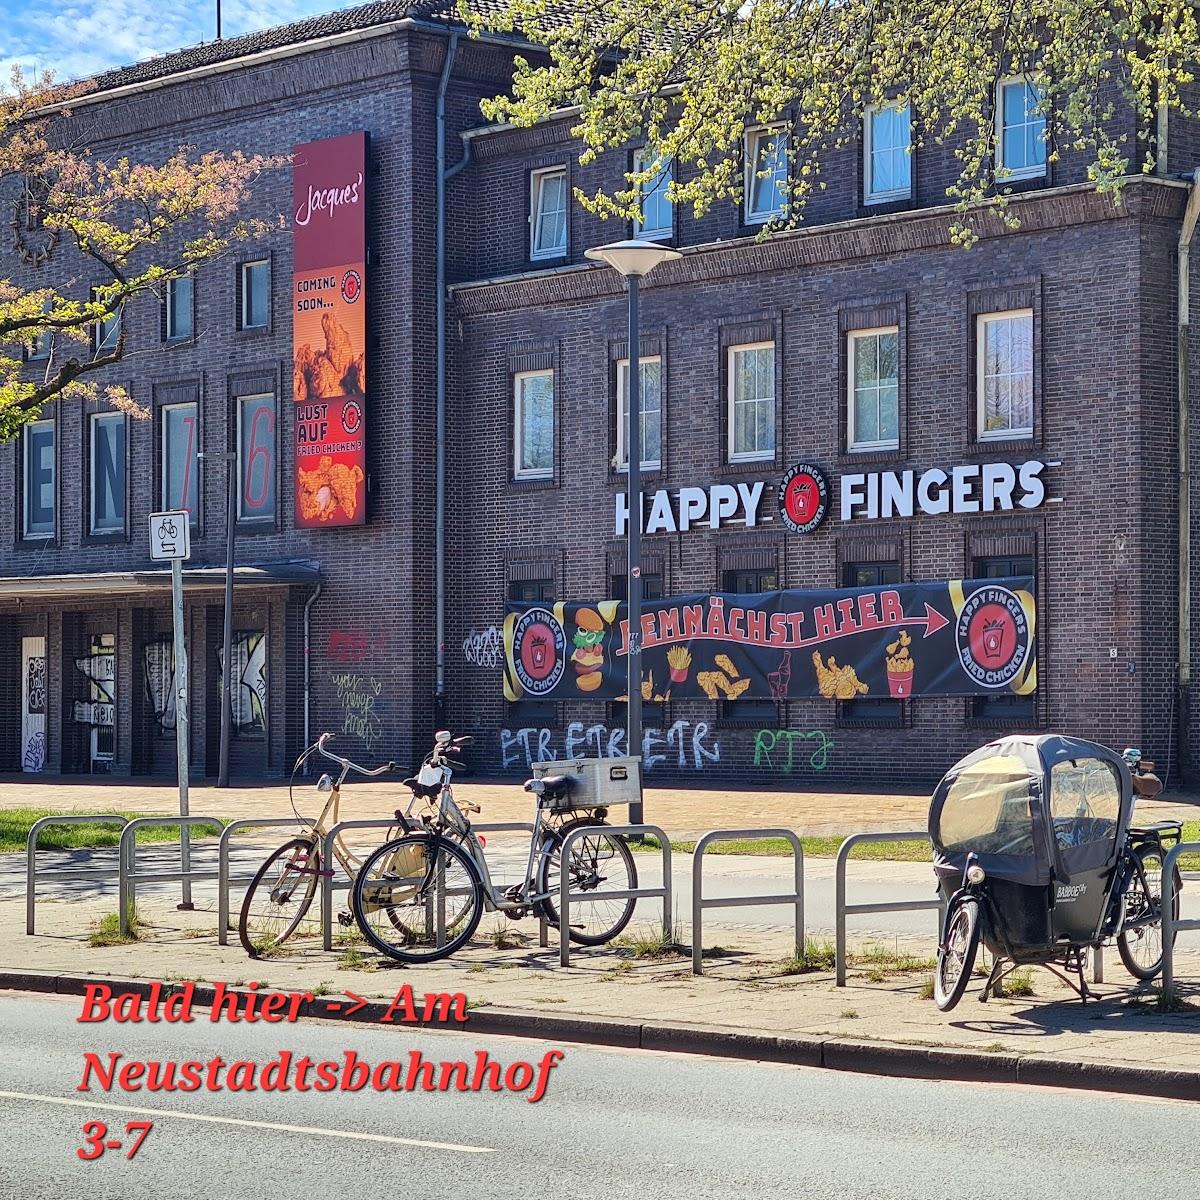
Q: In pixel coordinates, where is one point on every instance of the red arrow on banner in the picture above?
(933, 620)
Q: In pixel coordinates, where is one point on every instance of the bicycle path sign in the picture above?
(170, 536)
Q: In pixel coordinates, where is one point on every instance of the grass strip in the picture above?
(15, 824)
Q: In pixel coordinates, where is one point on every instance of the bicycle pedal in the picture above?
(513, 892)
(345, 919)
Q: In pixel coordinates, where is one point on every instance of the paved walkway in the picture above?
(681, 811)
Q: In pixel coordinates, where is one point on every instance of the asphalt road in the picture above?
(612, 1124)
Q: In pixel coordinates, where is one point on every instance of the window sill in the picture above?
(750, 464)
(895, 202)
(1003, 445)
(755, 221)
(619, 475)
(538, 483)
(547, 260)
(880, 454)
(243, 528)
(32, 543)
(105, 539)
(252, 331)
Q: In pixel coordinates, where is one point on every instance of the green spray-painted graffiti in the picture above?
(776, 750)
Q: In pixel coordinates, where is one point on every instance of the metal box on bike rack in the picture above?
(596, 782)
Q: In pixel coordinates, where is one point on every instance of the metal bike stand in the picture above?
(223, 880)
(327, 870)
(699, 903)
(1171, 925)
(128, 878)
(842, 909)
(75, 875)
(565, 895)
(515, 827)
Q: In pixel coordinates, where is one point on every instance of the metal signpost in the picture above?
(171, 540)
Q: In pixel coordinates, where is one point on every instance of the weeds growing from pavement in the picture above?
(353, 959)
(107, 930)
(650, 943)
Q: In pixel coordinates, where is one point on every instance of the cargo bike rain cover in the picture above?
(1034, 809)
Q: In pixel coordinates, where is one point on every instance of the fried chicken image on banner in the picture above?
(333, 371)
(330, 487)
(837, 683)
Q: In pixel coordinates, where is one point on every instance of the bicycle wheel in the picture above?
(400, 888)
(1141, 947)
(279, 896)
(597, 861)
(956, 954)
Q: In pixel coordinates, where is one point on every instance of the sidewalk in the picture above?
(682, 812)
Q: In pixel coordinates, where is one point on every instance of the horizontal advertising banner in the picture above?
(961, 637)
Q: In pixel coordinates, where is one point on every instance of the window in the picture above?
(39, 345)
(180, 458)
(873, 403)
(861, 575)
(656, 219)
(766, 174)
(107, 473)
(256, 458)
(1021, 132)
(256, 294)
(1004, 373)
(537, 713)
(533, 425)
(651, 410)
(652, 586)
(531, 591)
(179, 309)
(548, 213)
(744, 583)
(1005, 705)
(40, 479)
(108, 333)
(752, 402)
(887, 160)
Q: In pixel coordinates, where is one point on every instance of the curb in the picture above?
(830, 1053)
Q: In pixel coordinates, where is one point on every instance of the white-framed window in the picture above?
(39, 492)
(766, 173)
(1004, 373)
(655, 216)
(179, 309)
(256, 294)
(650, 405)
(887, 160)
(1020, 129)
(256, 457)
(180, 458)
(548, 213)
(108, 333)
(107, 473)
(533, 425)
(751, 370)
(873, 386)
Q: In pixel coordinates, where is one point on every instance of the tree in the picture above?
(688, 77)
(78, 216)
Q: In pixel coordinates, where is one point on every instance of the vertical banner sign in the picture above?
(329, 330)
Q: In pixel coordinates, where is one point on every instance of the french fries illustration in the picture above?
(679, 659)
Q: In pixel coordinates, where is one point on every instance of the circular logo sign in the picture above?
(804, 498)
(993, 636)
(351, 286)
(351, 416)
(539, 651)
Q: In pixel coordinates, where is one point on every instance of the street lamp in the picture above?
(634, 259)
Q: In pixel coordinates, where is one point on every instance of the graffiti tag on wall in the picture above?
(158, 672)
(100, 670)
(777, 749)
(358, 698)
(685, 744)
(483, 649)
(355, 645)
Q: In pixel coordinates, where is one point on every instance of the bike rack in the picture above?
(842, 909)
(223, 880)
(515, 827)
(699, 903)
(565, 895)
(74, 874)
(327, 857)
(1170, 925)
(128, 879)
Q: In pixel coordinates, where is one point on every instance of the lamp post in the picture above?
(633, 260)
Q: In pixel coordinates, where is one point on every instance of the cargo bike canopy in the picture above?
(1035, 810)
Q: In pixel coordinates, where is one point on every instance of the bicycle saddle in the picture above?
(550, 785)
(423, 791)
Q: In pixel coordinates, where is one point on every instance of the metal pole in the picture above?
(181, 725)
(633, 715)
(227, 631)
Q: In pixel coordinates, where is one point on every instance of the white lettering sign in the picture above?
(967, 488)
(694, 508)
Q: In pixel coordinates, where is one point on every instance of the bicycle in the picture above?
(421, 896)
(284, 887)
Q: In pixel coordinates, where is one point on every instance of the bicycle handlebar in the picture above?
(348, 765)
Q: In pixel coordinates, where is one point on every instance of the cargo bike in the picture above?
(1037, 856)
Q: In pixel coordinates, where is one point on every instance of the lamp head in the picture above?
(634, 256)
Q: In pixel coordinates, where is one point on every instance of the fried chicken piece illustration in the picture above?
(339, 349)
(332, 371)
(327, 488)
(323, 379)
(302, 367)
(837, 683)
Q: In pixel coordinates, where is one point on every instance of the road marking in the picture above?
(305, 1129)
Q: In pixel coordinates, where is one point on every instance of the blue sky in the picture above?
(85, 36)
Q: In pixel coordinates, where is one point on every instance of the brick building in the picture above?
(863, 341)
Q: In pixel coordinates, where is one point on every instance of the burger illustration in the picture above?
(588, 655)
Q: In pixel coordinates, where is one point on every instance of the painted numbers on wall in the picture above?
(777, 750)
(358, 699)
(685, 745)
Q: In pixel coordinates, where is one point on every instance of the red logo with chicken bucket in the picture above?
(804, 498)
(539, 651)
(993, 636)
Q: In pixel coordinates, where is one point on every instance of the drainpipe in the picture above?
(439, 701)
(1183, 359)
(307, 677)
